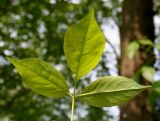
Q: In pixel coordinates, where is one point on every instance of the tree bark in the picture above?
(137, 23)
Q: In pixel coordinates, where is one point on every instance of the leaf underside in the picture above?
(41, 77)
(109, 91)
(83, 45)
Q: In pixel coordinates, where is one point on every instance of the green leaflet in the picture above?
(110, 91)
(83, 45)
(41, 77)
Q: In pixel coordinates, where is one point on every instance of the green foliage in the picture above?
(41, 77)
(83, 45)
(84, 42)
(156, 86)
(145, 41)
(148, 73)
(110, 90)
(135, 45)
(132, 49)
(155, 93)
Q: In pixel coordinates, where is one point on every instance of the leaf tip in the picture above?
(148, 86)
(145, 87)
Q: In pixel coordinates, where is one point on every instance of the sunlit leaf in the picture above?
(41, 77)
(110, 91)
(83, 45)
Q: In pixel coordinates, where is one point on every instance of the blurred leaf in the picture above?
(132, 49)
(110, 91)
(83, 45)
(156, 86)
(148, 73)
(145, 42)
(153, 98)
(41, 77)
(157, 46)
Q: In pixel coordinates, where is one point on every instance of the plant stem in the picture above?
(73, 103)
(72, 113)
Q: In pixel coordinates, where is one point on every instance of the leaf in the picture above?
(41, 77)
(148, 73)
(83, 45)
(110, 91)
(145, 42)
(132, 49)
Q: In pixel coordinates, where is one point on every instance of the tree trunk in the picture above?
(137, 23)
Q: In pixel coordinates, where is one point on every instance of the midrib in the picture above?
(112, 91)
(82, 48)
